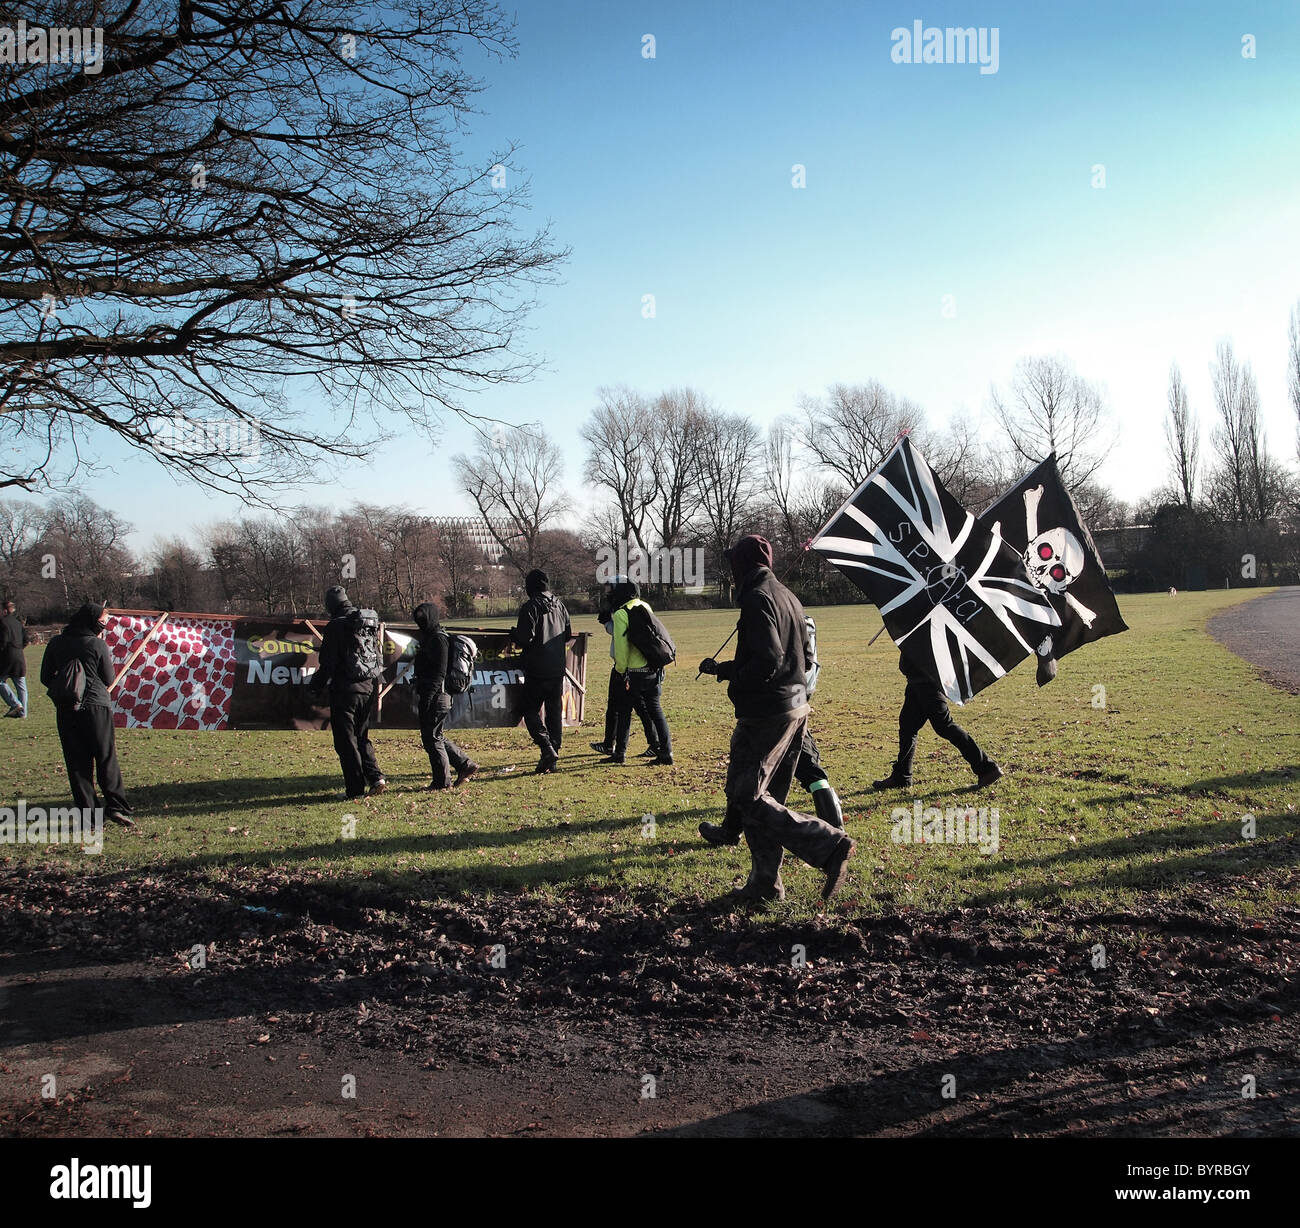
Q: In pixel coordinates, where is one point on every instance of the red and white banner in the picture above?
(184, 677)
(208, 672)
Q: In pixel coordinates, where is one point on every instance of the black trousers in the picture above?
(544, 695)
(613, 702)
(444, 754)
(924, 702)
(350, 716)
(90, 751)
(643, 695)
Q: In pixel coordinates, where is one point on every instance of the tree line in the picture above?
(673, 471)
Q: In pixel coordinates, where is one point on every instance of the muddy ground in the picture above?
(604, 998)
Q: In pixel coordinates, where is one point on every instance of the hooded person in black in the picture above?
(924, 701)
(435, 703)
(352, 699)
(542, 635)
(86, 732)
(767, 685)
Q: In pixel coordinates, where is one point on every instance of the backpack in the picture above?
(361, 662)
(810, 677)
(462, 652)
(67, 685)
(650, 637)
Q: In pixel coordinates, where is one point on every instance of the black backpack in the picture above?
(650, 637)
(67, 685)
(462, 652)
(362, 661)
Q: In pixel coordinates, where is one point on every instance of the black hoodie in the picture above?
(335, 642)
(80, 640)
(769, 675)
(543, 634)
(431, 659)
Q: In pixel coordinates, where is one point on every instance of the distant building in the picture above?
(478, 532)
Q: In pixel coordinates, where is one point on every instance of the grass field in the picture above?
(1142, 786)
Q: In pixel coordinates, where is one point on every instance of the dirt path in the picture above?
(1265, 632)
(605, 998)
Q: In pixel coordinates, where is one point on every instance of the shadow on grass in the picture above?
(1214, 849)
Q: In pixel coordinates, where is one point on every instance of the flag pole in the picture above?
(875, 637)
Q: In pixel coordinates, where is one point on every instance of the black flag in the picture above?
(946, 586)
(1039, 520)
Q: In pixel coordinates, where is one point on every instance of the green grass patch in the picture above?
(1132, 772)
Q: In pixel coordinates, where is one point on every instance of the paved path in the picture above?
(1265, 632)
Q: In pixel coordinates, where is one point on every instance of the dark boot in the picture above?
(719, 834)
(827, 806)
(837, 868)
(755, 895)
(895, 780)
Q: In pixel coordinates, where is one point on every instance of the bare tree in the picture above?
(255, 560)
(1051, 408)
(620, 437)
(850, 429)
(514, 480)
(1235, 407)
(779, 473)
(1182, 437)
(21, 526)
(1246, 483)
(730, 470)
(248, 206)
(461, 561)
(176, 579)
(88, 543)
(679, 420)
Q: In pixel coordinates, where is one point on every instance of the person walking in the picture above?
(435, 703)
(924, 701)
(78, 658)
(13, 661)
(642, 683)
(808, 771)
(542, 637)
(617, 683)
(767, 687)
(350, 668)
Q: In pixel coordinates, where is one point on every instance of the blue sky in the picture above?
(671, 176)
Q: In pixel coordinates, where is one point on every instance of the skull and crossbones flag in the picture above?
(1038, 518)
(947, 586)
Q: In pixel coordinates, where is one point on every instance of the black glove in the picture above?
(708, 666)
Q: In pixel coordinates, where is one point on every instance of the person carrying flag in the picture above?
(767, 687)
(924, 701)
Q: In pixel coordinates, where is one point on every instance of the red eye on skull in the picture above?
(1057, 573)
(1044, 551)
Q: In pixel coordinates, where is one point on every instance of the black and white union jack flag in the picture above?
(945, 584)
